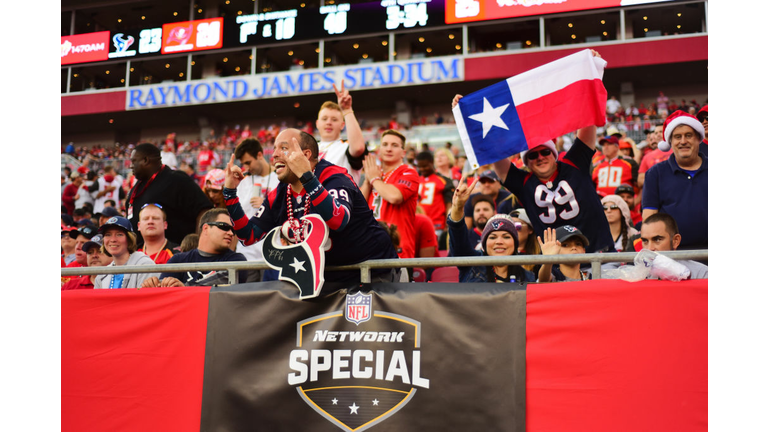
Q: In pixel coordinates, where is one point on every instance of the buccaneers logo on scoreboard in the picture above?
(357, 376)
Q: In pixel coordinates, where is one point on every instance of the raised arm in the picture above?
(354, 133)
(389, 193)
(502, 166)
(550, 246)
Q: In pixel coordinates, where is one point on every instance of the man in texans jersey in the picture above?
(560, 192)
(308, 185)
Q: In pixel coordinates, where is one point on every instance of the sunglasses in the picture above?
(535, 154)
(518, 226)
(222, 226)
(613, 207)
(154, 204)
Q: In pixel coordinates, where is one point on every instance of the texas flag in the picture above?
(532, 108)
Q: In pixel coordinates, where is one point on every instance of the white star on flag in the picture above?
(353, 408)
(490, 117)
(335, 401)
(376, 402)
(297, 265)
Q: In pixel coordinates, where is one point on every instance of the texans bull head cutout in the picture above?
(302, 264)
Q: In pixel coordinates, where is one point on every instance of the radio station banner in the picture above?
(364, 76)
(600, 355)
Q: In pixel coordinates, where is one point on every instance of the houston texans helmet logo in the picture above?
(496, 224)
(121, 45)
(302, 264)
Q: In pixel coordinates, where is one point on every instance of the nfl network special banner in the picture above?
(531, 108)
(591, 356)
(434, 357)
(433, 70)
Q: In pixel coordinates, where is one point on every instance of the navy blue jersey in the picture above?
(360, 239)
(570, 200)
(194, 256)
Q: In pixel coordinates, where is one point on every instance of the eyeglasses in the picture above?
(535, 154)
(149, 204)
(222, 226)
(613, 207)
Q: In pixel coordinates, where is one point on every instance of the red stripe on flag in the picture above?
(563, 111)
(609, 355)
(132, 360)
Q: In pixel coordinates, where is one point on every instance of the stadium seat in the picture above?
(445, 274)
(419, 275)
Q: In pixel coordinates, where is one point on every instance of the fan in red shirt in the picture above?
(392, 190)
(205, 158)
(627, 193)
(435, 191)
(614, 169)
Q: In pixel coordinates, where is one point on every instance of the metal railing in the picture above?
(595, 259)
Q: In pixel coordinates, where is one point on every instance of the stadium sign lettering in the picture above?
(282, 84)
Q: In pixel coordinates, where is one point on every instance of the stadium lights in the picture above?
(451, 36)
(356, 46)
(429, 50)
(383, 43)
(421, 39)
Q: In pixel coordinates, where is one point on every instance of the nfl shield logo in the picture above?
(358, 308)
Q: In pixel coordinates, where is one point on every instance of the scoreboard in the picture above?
(305, 24)
(250, 30)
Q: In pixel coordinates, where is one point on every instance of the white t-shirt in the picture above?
(335, 152)
(98, 204)
(169, 159)
(612, 106)
(260, 186)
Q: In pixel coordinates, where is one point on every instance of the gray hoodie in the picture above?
(131, 280)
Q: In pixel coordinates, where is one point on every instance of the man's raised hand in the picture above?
(296, 160)
(343, 97)
(233, 174)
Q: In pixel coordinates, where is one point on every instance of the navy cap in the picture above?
(624, 188)
(567, 231)
(109, 212)
(489, 174)
(87, 231)
(95, 241)
(116, 221)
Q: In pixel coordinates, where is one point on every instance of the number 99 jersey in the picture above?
(570, 200)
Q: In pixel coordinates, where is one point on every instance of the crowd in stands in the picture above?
(215, 199)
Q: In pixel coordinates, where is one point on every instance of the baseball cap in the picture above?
(567, 231)
(521, 214)
(108, 212)
(116, 221)
(215, 179)
(74, 175)
(624, 144)
(624, 188)
(95, 241)
(67, 219)
(610, 140)
(489, 174)
(82, 169)
(86, 231)
(613, 131)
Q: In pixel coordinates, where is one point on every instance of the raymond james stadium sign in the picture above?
(292, 83)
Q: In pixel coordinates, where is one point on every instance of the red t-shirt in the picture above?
(607, 176)
(83, 282)
(652, 158)
(406, 179)
(204, 159)
(432, 197)
(425, 234)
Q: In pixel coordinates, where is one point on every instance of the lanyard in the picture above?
(151, 179)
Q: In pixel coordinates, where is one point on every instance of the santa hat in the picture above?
(679, 118)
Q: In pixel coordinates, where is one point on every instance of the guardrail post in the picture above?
(365, 274)
(232, 276)
(596, 271)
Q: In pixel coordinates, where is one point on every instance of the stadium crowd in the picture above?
(214, 199)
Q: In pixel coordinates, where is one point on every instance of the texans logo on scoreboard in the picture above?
(302, 264)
